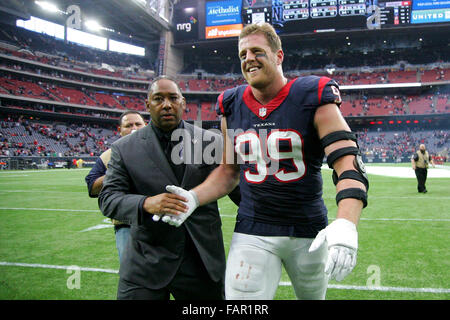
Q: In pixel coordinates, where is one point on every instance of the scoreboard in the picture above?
(289, 16)
(352, 7)
(212, 19)
(396, 13)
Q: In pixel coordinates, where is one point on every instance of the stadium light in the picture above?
(47, 6)
(93, 25)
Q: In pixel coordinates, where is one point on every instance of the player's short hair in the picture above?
(160, 78)
(130, 112)
(267, 30)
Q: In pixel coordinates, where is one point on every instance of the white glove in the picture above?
(192, 204)
(157, 217)
(342, 239)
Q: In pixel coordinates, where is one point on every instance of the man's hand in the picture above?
(192, 204)
(164, 203)
(342, 240)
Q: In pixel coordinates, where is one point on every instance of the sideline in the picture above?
(283, 283)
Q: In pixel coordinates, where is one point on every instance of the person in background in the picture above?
(129, 122)
(420, 162)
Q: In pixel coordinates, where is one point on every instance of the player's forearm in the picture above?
(348, 208)
(97, 186)
(218, 184)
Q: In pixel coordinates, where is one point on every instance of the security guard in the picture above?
(419, 162)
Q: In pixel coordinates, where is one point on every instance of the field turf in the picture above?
(48, 223)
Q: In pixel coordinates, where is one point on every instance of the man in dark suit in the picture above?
(187, 262)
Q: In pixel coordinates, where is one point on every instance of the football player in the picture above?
(277, 133)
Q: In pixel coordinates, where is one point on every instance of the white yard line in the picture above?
(283, 283)
(418, 197)
(402, 219)
(222, 215)
(48, 209)
(39, 191)
(6, 172)
(49, 266)
(98, 227)
(370, 219)
(403, 172)
(15, 175)
(387, 289)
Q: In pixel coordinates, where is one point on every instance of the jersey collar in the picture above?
(263, 111)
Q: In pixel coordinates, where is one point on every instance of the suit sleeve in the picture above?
(115, 200)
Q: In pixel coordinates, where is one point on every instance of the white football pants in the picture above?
(254, 267)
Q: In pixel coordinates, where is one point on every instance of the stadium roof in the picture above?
(126, 17)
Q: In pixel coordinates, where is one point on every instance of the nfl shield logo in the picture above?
(262, 112)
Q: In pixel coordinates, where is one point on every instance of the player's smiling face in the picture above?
(258, 62)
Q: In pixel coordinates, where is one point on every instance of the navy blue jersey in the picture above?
(280, 153)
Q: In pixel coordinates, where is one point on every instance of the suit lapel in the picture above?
(156, 154)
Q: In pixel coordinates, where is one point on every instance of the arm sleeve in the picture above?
(97, 171)
(328, 92)
(320, 91)
(224, 102)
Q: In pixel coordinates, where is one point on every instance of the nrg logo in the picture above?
(186, 26)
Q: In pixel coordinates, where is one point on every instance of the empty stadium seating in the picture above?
(22, 137)
(191, 112)
(107, 100)
(420, 104)
(208, 112)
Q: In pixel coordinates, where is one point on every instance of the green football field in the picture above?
(55, 243)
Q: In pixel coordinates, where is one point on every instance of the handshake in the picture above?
(177, 220)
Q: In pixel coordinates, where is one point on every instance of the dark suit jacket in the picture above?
(138, 168)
